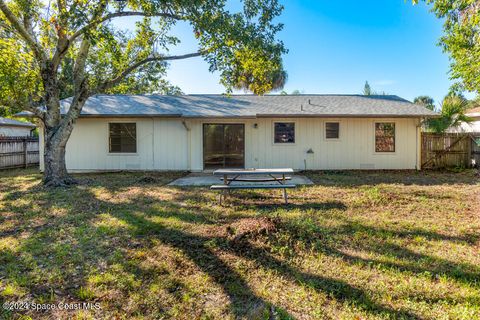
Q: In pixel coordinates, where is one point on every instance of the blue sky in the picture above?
(335, 46)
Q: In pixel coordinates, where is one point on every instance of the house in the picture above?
(474, 126)
(204, 132)
(15, 128)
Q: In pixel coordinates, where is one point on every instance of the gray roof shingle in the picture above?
(15, 123)
(205, 105)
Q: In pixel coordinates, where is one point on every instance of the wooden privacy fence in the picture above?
(18, 152)
(476, 149)
(446, 150)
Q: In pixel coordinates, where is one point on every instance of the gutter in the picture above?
(17, 125)
(258, 115)
(343, 116)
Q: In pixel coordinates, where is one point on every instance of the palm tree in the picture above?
(452, 114)
(425, 101)
(475, 103)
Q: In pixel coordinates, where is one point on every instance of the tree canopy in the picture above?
(72, 47)
(461, 39)
(367, 90)
(452, 114)
(241, 46)
(425, 101)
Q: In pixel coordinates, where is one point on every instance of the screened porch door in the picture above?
(223, 146)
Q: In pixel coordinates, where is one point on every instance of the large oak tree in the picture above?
(72, 47)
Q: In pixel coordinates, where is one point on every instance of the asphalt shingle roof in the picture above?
(15, 123)
(473, 111)
(250, 106)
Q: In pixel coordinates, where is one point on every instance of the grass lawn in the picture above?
(357, 245)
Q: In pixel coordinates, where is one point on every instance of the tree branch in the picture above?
(110, 16)
(35, 107)
(62, 42)
(37, 49)
(111, 83)
(80, 84)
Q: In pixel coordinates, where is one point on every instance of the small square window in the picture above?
(385, 137)
(284, 132)
(332, 130)
(122, 137)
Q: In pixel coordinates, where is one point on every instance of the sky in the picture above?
(335, 46)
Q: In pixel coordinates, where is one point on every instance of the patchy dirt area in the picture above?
(250, 228)
(356, 245)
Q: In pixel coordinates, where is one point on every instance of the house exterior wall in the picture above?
(176, 144)
(473, 126)
(13, 131)
(354, 150)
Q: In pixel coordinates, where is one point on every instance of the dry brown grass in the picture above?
(357, 245)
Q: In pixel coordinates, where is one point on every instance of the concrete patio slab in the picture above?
(208, 179)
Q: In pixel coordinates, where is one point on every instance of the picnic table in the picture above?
(231, 176)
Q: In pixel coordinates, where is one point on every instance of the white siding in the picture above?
(354, 150)
(473, 126)
(12, 131)
(161, 145)
(166, 144)
(170, 145)
(88, 147)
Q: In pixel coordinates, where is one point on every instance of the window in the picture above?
(332, 130)
(123, 137)
(284, 132)
(385, 137)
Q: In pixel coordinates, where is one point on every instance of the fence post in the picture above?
(25, 152)
(469, 154)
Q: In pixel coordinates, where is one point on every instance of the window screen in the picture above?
(284, 132)
(385, 137)
(123, 137)
(332, 130)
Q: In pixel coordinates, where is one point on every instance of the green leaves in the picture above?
(425, 101)
(19, 79)
(259, 72)
(452, 114)
(367, 90)
(241, 45)
(461, 39)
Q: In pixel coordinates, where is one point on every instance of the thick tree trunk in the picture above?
(55, 171)
(58, 129)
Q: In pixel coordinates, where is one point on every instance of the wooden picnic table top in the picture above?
(242, 172)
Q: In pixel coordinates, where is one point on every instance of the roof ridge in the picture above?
(253, 95)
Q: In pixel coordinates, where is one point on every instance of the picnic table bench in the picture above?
(230, 176)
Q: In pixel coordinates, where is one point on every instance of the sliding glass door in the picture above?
(223, 146)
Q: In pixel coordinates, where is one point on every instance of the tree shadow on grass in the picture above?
(322, 206)
(43, 251)
(233, 284)
(197, 249)
(92, 244)
(378, 241)
(340, 290)
(356, 178)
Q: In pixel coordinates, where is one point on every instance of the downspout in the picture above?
(153, 143)
(189, 146)
(418, 164)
